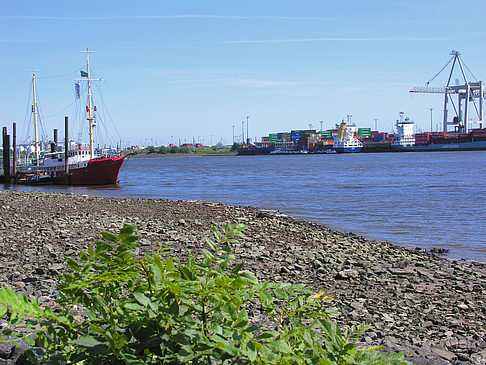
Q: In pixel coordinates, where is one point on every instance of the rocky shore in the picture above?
(429, 307)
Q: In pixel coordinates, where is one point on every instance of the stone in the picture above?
(443, 353)
(6, 350)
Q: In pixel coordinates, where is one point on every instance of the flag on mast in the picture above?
(84, 73)
(77, 89)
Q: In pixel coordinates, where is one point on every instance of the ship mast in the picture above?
(90, 118)
(90, 114)
(34, 110)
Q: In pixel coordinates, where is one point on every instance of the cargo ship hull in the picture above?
(347, 149)
(461, 146)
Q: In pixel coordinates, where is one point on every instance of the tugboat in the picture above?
(346, 141)
(85, 166)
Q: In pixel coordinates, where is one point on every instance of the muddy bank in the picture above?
(429, 307)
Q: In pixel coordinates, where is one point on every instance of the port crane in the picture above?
(467, 94)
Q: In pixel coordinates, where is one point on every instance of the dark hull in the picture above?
(377, 147)
(250, 151)
(461, 146)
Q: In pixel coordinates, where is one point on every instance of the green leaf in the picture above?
(188, 275)
(280, 346)
(73, 265)
(109, 236)
(126, 232)
(175, 276)
(141, 298)
(251, 351)
(266, 298)
(102, 246)
(87, 341)
(134, 306)
(249, 277)
(83, 256)
(3, 311)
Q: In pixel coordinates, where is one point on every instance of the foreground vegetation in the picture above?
(154, 309)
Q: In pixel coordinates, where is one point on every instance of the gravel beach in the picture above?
(427, 306)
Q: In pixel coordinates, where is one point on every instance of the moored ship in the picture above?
(346, 141)
(451, 141)
(470, 97)
(84, 166)
(257, 148)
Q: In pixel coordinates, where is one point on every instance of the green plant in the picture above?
(158, 310)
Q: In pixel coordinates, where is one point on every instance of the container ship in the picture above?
(346, 140)
(439, 141)
(470, 97)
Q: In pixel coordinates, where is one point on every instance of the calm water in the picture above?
(428, 200)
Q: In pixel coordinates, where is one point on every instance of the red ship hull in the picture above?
(98, 172)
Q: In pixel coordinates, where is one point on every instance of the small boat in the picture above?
(85, 165)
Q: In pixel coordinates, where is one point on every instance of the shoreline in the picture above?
(190, 154)
(430, 307)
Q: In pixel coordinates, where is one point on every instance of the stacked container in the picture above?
(422, 138)
(364, 132)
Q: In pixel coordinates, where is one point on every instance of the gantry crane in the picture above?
(468, 92)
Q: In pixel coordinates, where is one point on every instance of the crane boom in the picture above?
(466, 93)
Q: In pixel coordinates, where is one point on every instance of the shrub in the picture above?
(158, 310)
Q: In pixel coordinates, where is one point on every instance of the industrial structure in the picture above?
(469, 95)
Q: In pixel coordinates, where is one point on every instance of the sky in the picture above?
(195, 70)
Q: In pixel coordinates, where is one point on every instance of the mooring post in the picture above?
(55, 140)
(4, 132)
(14, 143)
(6, 156)
(66, 149)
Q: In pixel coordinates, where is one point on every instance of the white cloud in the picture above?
(179, 16)
(21, 41)
(296, 40)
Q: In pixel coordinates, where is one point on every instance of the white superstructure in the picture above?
(346, 140)
(405, 136)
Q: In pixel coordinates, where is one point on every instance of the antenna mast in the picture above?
(90, 118)
(34, 110)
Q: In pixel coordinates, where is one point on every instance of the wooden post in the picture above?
(66, 150)
(14, 143)
(55, 139)
(6, 156)
(4, 133)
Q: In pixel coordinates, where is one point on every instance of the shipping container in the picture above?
(265, 139)
(364, 132)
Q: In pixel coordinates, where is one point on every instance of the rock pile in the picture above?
(429, 307)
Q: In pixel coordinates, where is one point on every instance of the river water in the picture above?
(435, 199)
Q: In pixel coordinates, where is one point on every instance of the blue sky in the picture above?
(178, 70)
